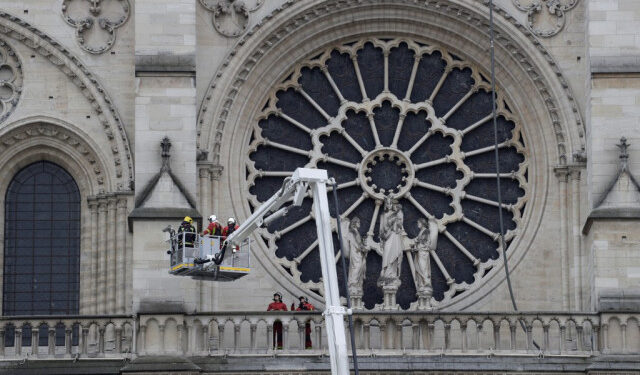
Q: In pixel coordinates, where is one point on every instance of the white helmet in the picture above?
(231, 221)
(213, 218)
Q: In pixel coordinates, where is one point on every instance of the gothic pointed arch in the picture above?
(88, 83)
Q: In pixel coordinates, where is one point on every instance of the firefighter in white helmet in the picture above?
(230, 228)
(214, 228)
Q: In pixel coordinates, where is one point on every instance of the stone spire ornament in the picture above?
(624, 153)
(622, 197)
(165, 145)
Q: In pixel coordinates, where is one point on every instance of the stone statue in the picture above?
(424, 244)
(391, 232)
(356, 252)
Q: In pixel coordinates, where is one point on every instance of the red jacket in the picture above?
(305, 307)
(225, 231)
(214, 229)
(277, 306)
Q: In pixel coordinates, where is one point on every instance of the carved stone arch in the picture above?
(539, 95)
(512, 36)
(100, 101)
(69, 146)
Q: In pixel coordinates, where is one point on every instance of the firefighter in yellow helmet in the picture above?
(187, 232)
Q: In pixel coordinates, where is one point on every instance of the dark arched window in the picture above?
(42, 242)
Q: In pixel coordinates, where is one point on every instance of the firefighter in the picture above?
(277, 305)
(189, 232)
(230, 228)
(306, 306)
(214, 228)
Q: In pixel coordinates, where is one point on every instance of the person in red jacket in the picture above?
(306, 306)
(214, 228)
(277, 305)
(230, 228)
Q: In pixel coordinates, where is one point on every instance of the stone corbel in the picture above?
(231, 17)
(545, 18)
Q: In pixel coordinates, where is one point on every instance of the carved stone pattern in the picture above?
(231, 17)
(82, 77)
(96, 21)
(392, 119)
(444, 7)
(552, 10)
(10, 80)
(51, 131)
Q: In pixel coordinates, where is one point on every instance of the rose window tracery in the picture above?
(10, 80)
(396, 120)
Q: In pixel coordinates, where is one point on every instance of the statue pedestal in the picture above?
(390, 297)
(424, 300)
(356, 301)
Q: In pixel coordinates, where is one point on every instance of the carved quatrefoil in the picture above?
(96, 21)
(546, 18)
(231, 17)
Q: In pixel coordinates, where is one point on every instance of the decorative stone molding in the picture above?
(528, 74)
(213, 138)
(44, 130)
(96, 21)
(546, 18)
(231, 17)
(10, 80)
(99, 100)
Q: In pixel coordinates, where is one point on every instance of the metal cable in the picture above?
(345, 278)
(497, 160)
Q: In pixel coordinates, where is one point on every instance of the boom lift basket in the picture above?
(193, 255)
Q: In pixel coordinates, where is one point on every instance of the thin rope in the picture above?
(497, 156)
(497, 160)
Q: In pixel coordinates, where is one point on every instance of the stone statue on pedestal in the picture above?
(391, 237)
(356, 252)
(424, 244)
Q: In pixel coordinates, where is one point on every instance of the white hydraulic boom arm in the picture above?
(296, 186)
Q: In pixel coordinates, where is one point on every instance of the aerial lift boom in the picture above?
(296, 187)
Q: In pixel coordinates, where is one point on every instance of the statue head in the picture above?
(355, 224)
(388, 203)
(422, 223)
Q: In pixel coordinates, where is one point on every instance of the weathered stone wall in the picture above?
(168, 57)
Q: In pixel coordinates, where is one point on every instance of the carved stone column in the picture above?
(93, 258)
(111, 255)
(562, 174)
(102, 256)
(121, 256)
(576, 234)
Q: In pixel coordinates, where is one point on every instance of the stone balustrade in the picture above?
(97, 336)
(375, 333)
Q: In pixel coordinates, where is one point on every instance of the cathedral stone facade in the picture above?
(120, 117)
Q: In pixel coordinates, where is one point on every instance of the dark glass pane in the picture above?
(42, 251)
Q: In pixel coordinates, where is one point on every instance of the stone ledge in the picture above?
(397, 364)
(150, 214)
(611, 213)
(166, 63)
(615, 64)
(619, 300)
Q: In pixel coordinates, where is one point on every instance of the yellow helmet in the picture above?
(188, 219)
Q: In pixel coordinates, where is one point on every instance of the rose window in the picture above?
(10, 80)
(400, 120)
